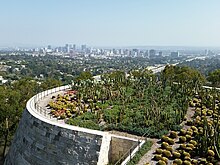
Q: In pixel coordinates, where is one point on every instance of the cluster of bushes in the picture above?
(149, 132)
(86, 120)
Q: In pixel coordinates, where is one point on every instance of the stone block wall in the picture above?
(40, 143)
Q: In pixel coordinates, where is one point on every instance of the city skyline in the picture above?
(110, 23)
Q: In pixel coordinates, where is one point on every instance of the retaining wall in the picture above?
(40, 143)
(42, 140)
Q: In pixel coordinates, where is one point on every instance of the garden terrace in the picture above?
(114, 144)
(136, 104)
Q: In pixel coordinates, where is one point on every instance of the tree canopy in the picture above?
(214, 77)
(13, 98)
(181, 75)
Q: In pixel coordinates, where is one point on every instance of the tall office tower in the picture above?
(67, 48)
(135, 52)
(146, 53)
(49, 47)
(121, 51)
(160, 53)
(60, 49)
(174, 54)
(141, 53)
(74, 46)
(114, 51)
(152, 53)
(83, 48)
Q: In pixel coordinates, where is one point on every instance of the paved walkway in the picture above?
(43, 104)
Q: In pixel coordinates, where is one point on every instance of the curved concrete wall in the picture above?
(39, 143)
(42, 140)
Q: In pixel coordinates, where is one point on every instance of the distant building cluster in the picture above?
(73, 50)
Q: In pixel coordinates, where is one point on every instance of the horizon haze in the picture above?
(111, 23)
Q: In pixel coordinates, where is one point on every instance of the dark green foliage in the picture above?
(84, 76)
(204, 66)
(214, 77)
(138, 103)
(87, 120)
(13, 98)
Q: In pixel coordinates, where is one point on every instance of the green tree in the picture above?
(50, 83)
(185, 76)
(214, 78)
(10, 112)
(84, 76)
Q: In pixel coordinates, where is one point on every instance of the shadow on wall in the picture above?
(120, 147)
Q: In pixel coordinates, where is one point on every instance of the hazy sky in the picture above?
(110, 22)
